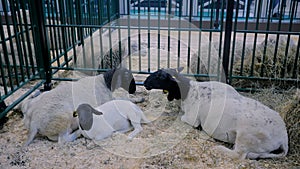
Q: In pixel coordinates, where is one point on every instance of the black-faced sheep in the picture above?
(255, 130)
(51, 113)
(113, 116)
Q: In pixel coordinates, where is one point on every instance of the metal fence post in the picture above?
(227, 40)
(43, 53)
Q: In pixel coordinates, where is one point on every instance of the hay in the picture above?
(291, 115)
(266, 62)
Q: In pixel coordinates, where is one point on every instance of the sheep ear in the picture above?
(180, 69)
(96, 112)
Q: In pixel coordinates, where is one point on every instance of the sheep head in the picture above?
(120, 77)
(164, 79)
(85, 114)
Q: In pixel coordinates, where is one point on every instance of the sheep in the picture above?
(50, 113)
(255, 130)
(108, 118)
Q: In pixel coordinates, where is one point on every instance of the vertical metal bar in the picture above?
(245, 37)
(79, 22)
(63, 30)
(200, 38)
(54, 38)
(234, 38)
(296, 69)
(277, 39)
(158, 35)
(50, 27)
(169, 32)
(255, 38)
(119, 32)
(210, 37)
(149, 37)
(2, 70)
(220, 41)
(216, 24)
(73, 32)
(129, 34)
(109, 32)
(58, 15)
(266, 39)
(179, 34)
(42, 34)
(189, 37)
(283, 70)
(139, 34)
(227, 41)
(90, 22)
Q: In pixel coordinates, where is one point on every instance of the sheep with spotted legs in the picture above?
(255, 130)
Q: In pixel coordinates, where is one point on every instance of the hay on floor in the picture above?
(291, 115)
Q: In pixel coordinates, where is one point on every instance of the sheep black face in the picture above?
(163, 80)
(120, 77)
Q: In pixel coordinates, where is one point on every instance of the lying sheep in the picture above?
(50, 113)
(110, 117)
(255, 130)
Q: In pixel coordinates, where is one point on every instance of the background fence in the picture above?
(254, 43)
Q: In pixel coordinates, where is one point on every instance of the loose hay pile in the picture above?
(291, 113)
(267, 63)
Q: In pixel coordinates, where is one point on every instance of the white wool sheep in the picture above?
(50, 113)
(113, 116)
(255, 130)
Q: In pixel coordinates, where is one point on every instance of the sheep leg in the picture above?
(32, 132)
(68, 137)
(137, 129)
(254, 156)
(235, 153)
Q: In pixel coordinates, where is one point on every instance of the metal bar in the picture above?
(277, 39)
(245, 36)
(220, 41)
(158, 35)
(255, 39)
(189, 36)
(42, 34)
(233, 43)
(283, 69)
(296, 68)
(210, 37)
(129, 34)
(149, 36)
(266, 39)
(169, 32)
(227, 41)
(179, 34)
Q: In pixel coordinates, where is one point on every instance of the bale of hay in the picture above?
(205, 64)
(266, 63)
(201, 64)
(291, 115)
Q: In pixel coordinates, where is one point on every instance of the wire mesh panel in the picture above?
(17, 49)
